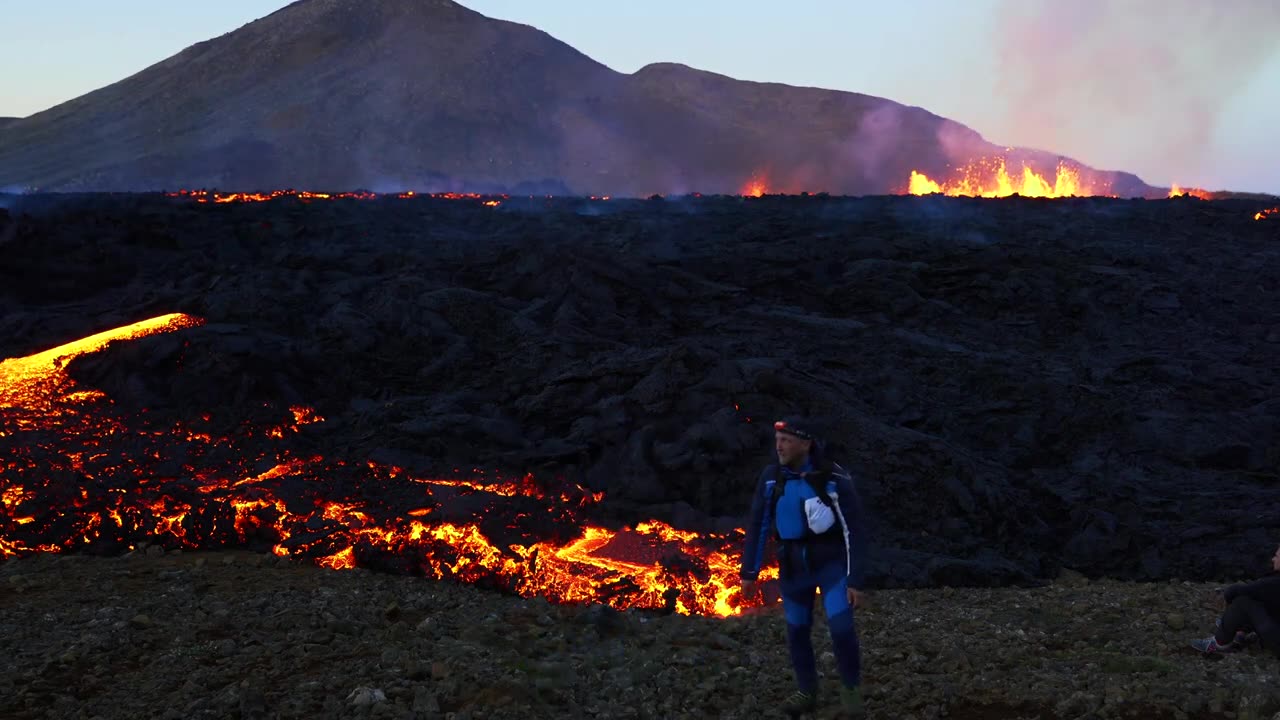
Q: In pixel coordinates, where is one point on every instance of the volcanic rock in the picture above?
(429, 95)
(8, 227)
(989, 370)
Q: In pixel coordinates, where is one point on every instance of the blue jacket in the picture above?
(761, 525)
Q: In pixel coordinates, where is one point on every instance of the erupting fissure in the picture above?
(78, 473)
(1179, 191)
(991, 177)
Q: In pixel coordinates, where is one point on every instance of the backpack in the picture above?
(821, 483)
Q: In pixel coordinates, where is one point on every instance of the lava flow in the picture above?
(1264, 214)
(991, 178)
(206, 196)
(79, 473)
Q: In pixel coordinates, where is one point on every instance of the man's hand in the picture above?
(856, 598)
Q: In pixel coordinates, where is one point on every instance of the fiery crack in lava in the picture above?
(217, 198)
(1264, 214)
(991, 178)
(206, 196)
(80, 474)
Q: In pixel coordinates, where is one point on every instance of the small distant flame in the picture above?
(1179, 191)
(755, 187)
(1264, 214)
(991, 178)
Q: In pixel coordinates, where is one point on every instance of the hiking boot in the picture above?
(1210, 646)
(1242, 639)
(851, 703)
(799, 703)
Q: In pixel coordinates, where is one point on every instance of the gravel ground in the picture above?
(238, 635)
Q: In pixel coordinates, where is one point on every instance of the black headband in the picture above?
(791, 429)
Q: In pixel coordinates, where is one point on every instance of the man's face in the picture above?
(791, 449)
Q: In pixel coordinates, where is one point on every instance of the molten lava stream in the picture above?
(80, 474)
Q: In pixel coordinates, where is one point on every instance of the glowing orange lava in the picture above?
(1264, 214)
(1179, 191)
(37, 382)
(77, 473)
(755, 187)
(206, 196)
(992, 178)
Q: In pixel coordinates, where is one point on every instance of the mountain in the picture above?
(429, 95)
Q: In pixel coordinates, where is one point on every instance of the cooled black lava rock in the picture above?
(1020, 384)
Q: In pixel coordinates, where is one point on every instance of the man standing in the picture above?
(811, 507)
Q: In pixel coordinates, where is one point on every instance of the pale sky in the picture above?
(1174, 90)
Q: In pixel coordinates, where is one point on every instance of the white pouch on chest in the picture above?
(818, 515)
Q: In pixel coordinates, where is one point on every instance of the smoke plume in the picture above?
(1139, 83)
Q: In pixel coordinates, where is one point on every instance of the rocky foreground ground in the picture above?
(236, 635)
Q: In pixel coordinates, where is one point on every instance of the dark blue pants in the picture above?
(799, 586)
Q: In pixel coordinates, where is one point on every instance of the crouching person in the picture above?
(1253, 610)
(811, 508)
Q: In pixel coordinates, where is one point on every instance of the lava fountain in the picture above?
(755, 187)
(80, 474)
(991, 178)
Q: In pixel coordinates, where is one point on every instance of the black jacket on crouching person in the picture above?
(1252, 606)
